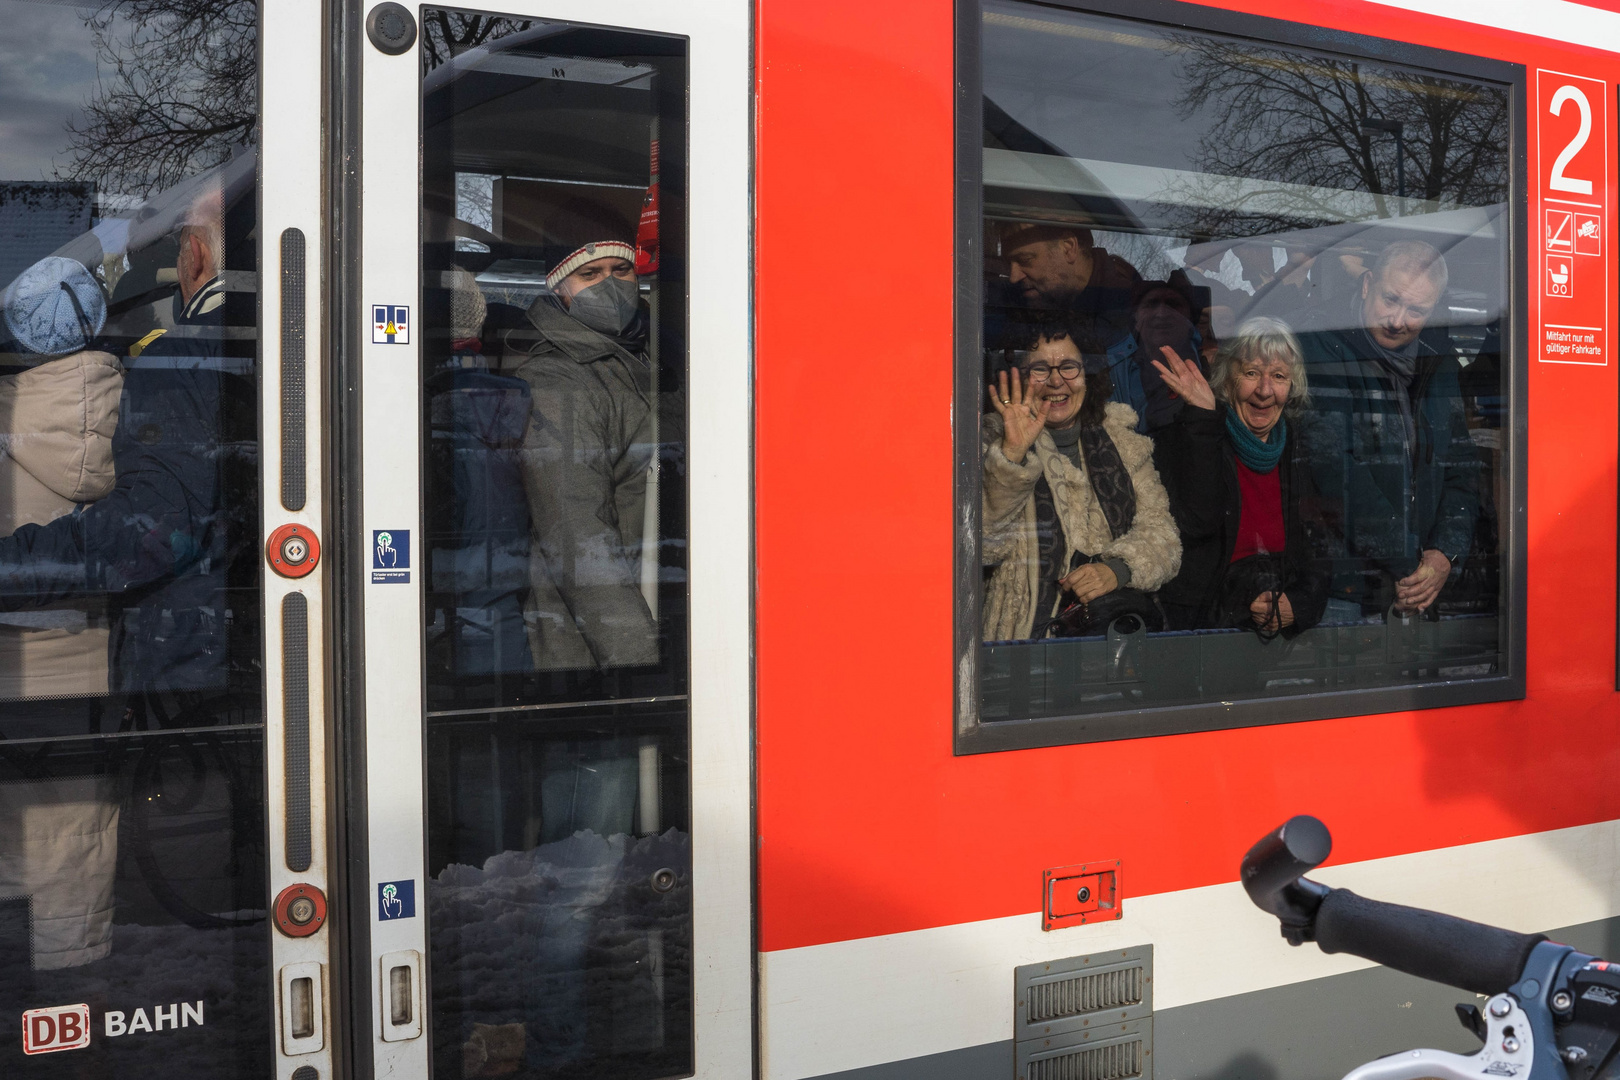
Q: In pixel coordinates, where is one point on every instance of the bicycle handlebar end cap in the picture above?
(1307, 839)
(1294, 848)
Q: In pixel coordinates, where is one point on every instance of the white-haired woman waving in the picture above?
(1241, 490)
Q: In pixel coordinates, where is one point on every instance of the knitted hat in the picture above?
(40, 309)
(1012, 235)
(581, 231)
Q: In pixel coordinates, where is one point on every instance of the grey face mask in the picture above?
(608, 306)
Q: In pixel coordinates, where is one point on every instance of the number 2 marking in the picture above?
(1558, 181)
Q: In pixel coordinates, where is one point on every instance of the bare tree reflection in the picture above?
(447, 34)
(178, 86)
(1313, 126)
(178, 90)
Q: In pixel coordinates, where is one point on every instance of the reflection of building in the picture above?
(38, 217)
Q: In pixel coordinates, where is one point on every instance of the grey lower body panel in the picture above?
(1316, 1030)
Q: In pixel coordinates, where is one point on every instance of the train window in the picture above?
(132, 850)
(554, 366)
(1244, 449)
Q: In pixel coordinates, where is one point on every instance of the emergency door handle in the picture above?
(401, 983)
(303, 1008)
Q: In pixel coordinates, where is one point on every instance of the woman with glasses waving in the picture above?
(1073, 510)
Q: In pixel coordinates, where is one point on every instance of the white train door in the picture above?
(553, 558)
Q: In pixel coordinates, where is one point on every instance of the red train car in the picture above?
(929, 800)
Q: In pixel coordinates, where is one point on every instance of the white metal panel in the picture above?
(290, 196)
(719, 450)
(391, 500)
(849, 1004)
(721, 550)
(1543, 18)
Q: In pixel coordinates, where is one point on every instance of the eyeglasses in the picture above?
(1039, 373)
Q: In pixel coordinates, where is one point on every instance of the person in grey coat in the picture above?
(591, 442)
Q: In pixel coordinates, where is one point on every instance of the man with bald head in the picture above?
(1058, 268)
(1389, 438)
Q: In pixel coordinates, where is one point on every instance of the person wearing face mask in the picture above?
(1390, 439)
(590, 443)
(1241, 489)
(1073, 509)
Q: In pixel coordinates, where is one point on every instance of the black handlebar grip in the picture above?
(1443, 948)
(1281, 858)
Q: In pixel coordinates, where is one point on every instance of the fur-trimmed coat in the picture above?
(1151, 548)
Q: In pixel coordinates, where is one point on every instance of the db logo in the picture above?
(65, 1027)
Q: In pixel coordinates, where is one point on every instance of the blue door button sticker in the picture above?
(396, 900)
(390, 556)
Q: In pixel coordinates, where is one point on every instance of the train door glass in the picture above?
(553, 358)
(133, 937)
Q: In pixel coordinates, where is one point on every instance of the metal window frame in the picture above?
(973, 736)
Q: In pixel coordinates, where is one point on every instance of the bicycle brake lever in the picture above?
(1508, 1054)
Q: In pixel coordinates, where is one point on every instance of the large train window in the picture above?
(1243, 451)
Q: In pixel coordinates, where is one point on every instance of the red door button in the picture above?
(300, 910)
(1076, 895)
(293, 550)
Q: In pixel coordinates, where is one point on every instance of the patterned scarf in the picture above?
(1260, 456)
(1116, 495)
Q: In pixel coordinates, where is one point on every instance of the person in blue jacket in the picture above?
(158, 545)
(1390, 443)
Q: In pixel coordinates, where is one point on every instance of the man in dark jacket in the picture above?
(157, 545)
(1389, 441)
(1059, 268)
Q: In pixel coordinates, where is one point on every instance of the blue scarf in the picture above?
(1260, 456)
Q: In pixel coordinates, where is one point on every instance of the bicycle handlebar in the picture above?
(1457, 952)
(1468, 955)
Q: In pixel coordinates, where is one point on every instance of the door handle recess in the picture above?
(401, 985)
(303, 1008)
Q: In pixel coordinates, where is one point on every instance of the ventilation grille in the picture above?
(1083, 993)
(1087, 993)
(1116, 1061)
(1085, 1017)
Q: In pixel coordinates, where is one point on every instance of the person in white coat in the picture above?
(1073, 508)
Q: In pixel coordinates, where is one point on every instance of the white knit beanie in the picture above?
(596, 249)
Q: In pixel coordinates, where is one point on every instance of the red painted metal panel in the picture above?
(1076, 895)
(860, 798)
